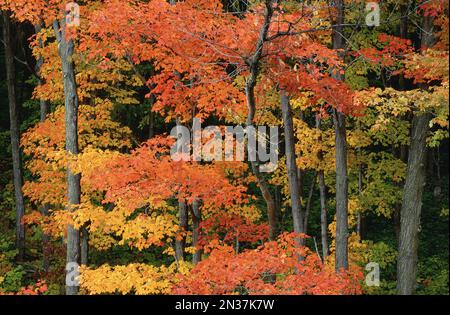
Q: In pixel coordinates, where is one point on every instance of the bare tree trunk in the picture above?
(323, 200)
(308, 203)
(15, 135)
(341, 193)
(151, 124)
(411, 207)
(360, 188)
(341, 159)
(403, 152)
(291, 164)
(412, 193)
(437, 191)
(180, 243)
(84, 245)
(278, 200)
(196, 219)
(323, 215)
(66, 51)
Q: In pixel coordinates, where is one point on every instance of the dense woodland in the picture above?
(87, 178)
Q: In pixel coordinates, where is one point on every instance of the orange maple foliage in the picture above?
(273, 268)
(200, 52)
(231, 229)
(40, 288)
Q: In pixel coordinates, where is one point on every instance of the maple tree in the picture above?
(270, 269)
(360, 108)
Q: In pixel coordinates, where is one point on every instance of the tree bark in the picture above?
(323, 214)
(341, 192)
(180, 243)
(66, 52)
(84, 245)
(411, 207)
(341, 158)
(15, 135)
(323, 199)
(413, 190)
(196, 219)
(291, 164)
(360, 189)
(308, 203)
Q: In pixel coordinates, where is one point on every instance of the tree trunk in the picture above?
(180, 242)
(323, 199)
(341, 193)
(291, 164)
(411, 207)
(323, 214)
(66, 51)
(15, 135)
(341, 158)
(196, 219)
(84, 245)
(278, 205)
(413, 190)
(360, 189)
(308, 203)
(151, 124)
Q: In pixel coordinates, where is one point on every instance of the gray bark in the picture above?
(291, 164)
(413, 190)
(323, 215)
(360, 188)
(15, 134)
(196, 219)
(341, 192)
(308, 203)
(341, 159)
(84, 245)
(66, 52)
(411, 207)
(180, 244)
(323, 201)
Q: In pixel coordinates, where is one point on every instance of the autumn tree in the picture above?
(415, 180)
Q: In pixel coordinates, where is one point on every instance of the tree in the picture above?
(152, 223)
(291, 165)
(341, 157)
(269, 269)
(414, 185)
(14, 130)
